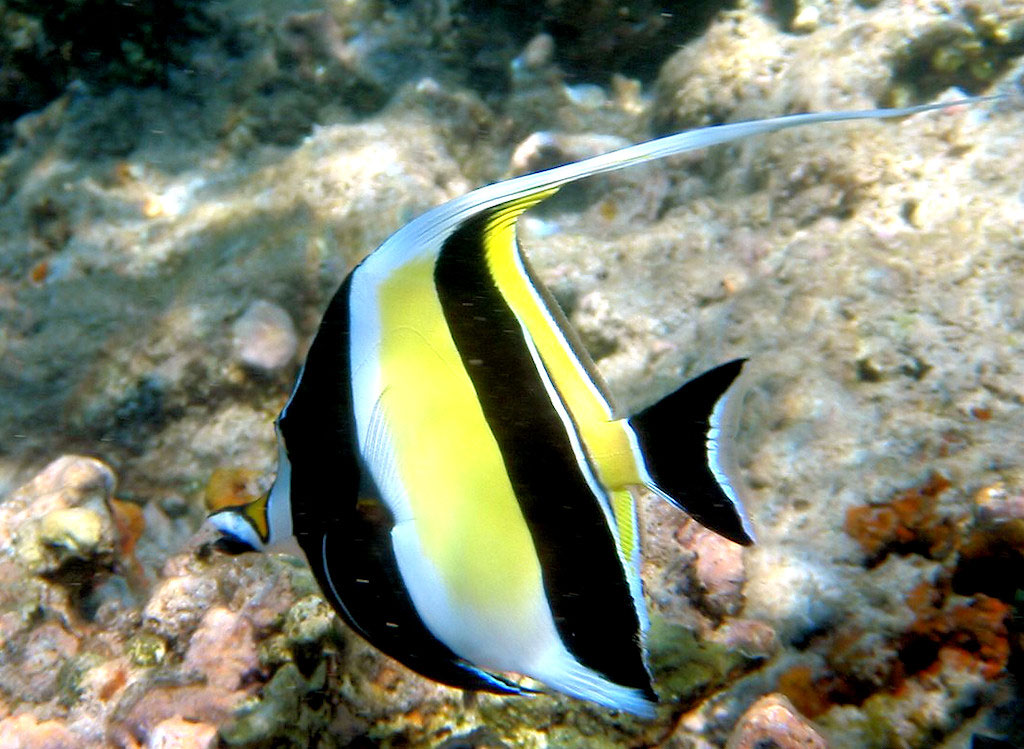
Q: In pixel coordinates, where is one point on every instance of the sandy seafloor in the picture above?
(166, 251)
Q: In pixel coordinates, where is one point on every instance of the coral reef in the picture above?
(166, 252)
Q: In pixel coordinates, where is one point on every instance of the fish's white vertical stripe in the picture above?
(279, 503)
(630, 567)
(570, 430)
(364, 347)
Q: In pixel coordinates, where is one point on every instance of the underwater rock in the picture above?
(281, 713)
(536, 55)
(907, 523)
(41, 655)
(264, 337)
(717, 567)
(734, 65)
(139, 714)
(178, 604)
(74, 533)
(26, 732)
(69, 481)
(223, 649)
(61, 524)
(104, 43)
(772, 721)
(996, 505)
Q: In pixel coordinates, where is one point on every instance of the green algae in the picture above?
(684, 666)
(964, 55)
(283, 715)
(146, 649)
(69, 677)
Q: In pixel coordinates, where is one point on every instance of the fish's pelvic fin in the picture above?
(490, 681)
(683, 442)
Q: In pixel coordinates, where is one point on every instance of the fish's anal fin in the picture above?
(683, 442)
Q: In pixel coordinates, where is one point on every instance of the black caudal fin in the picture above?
(682, 439)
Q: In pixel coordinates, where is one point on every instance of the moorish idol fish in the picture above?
(456, 472)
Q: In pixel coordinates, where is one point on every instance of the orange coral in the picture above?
(130, 524)
(976, 631)
(908, 523)
(804, 690)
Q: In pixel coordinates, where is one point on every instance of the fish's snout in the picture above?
(237, 535)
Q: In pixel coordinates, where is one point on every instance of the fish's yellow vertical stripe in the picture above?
(605, 438)
(465, 511)
(624, 509)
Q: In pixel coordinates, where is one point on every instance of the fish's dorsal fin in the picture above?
(425, 230)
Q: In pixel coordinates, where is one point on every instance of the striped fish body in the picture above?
(456, 474)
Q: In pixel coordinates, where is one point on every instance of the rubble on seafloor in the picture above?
(165, 254)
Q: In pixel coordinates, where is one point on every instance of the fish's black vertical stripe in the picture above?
(319, 431)
(356, 561)
(583, 577)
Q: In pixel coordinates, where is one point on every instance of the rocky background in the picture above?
(183, 184)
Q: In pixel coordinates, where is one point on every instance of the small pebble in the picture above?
(146, 649)
(586, 95)
(538, 52)
(753, 638)
(996, 505)
(806, 20)
(772, 721)
(264, 337)
(178, 733)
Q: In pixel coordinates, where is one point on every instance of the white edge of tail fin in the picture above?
(721, 438)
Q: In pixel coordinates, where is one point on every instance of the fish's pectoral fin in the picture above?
(684, 445)
(379, 451)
